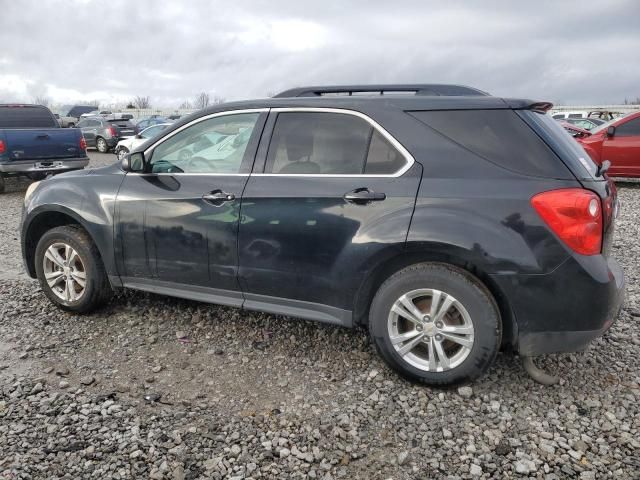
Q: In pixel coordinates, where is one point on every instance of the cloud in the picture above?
(571, 52)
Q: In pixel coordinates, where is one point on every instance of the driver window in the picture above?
(216, 145)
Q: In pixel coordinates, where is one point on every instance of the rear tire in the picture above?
(101, 145)
(70, 270)
(1, 184)
(453, 342)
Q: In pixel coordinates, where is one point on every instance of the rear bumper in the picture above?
(44, 165)
(565, 310)
(113, 141)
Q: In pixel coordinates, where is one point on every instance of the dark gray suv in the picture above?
(448, 222)
(105, 133)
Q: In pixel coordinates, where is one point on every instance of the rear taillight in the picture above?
(575, 215)
(83, 143)
(113, 131)
(3, 147)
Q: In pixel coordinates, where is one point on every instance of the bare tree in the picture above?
(217, 100)
(202, 100)
(42, 100)
(141, 102)
(185, 105)
(94, 103)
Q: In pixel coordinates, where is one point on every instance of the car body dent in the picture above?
(92, 207)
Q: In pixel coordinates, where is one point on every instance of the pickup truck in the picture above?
(33, 144)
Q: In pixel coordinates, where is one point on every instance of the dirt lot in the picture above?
(232, 394)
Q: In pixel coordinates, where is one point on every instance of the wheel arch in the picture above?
(41, 222)
(391, 265)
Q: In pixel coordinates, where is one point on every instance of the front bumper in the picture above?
(44, 165)
(563, 311)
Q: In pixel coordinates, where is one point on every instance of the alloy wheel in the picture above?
(430, 330)
(101, 145)
(64, 272)
(122, 152)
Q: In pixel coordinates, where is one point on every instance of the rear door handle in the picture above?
(44, 136)
(364, 195)
(218, 197)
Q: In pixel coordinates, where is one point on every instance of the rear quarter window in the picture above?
(26, 117)
(498, 136)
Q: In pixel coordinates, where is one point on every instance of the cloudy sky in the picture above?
(570, 52)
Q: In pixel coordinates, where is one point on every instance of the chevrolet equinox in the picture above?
(449, 222)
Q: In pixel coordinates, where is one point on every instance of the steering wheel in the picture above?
(184, 155)
(198, 164)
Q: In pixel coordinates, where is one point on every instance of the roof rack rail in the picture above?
(416, 89)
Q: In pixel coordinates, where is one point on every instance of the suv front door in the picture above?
(177, 222)
(331, 194)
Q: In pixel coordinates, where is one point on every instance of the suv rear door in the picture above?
(89, 127)
(331, 194)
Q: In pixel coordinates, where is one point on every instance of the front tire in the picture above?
(70, 270)
(101, 145)
(122, 152)
(435, 324)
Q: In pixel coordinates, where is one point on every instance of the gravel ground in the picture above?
(152, 387)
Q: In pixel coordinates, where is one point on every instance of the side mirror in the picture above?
(133, 162)
(138, 136)
(611, 131)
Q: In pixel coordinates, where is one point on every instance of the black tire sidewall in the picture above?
(70, 236)
(475, 299)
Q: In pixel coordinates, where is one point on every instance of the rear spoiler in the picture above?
(519, 104)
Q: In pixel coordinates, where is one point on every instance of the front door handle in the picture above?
(218, 197)
(364, 195)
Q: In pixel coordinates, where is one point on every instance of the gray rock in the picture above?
(465, 392)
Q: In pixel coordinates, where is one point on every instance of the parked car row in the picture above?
(128, 144)
(604, 115)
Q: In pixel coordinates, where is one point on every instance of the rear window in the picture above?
(563, 143)
(121, 123)
(26, 117)
(500, 137)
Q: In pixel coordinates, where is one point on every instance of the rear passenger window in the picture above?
(383, 158)
(499, 136)
(323, 143)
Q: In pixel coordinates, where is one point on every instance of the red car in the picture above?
(619, 142)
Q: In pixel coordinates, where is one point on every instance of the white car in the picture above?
(124, 146)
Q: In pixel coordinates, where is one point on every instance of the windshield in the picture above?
(606, 125)
(565, 146)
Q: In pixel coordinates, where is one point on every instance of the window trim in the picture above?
(410, 161)
(150, 149)
(390, 138)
